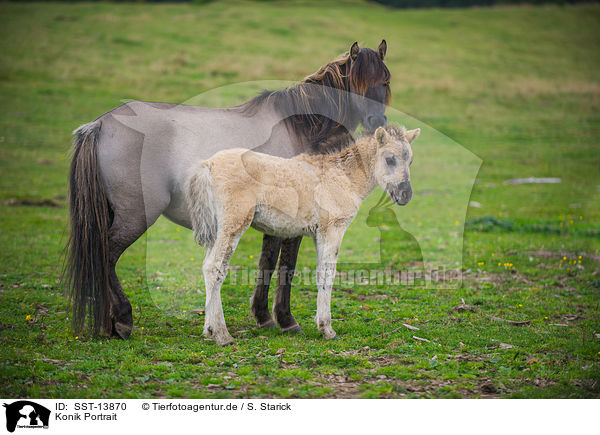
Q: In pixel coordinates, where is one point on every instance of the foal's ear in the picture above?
(354, 50)
(381, 136)
(382, 49)
(411, 135)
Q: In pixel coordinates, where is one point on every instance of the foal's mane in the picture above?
(323, 134)
(350, 153)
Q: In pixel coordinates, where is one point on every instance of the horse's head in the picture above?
(333, 101)
(369, 79)
(392, 164)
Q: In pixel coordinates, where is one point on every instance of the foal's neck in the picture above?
(358, 162)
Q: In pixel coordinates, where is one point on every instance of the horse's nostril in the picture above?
(375, 121)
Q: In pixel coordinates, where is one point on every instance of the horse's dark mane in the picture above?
(321, 133)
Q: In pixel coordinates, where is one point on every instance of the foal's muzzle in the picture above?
(401, 193)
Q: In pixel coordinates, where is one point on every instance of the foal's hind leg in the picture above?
(281, 303)
(215, 267)
(259, 304)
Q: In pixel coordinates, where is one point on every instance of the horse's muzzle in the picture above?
(372, 122)
(401, 193)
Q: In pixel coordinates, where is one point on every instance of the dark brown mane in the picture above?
(319, 132)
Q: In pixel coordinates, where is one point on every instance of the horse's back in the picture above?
(146, 150)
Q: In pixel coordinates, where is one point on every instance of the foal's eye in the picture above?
(391, 161)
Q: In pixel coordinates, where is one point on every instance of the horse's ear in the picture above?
(382, 49)
(354, 50)
(411, 135)
(381, 136)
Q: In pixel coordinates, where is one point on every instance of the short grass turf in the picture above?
(519, 87)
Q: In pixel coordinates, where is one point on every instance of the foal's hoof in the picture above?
(225, 341)
(331, 337)
(122, 330)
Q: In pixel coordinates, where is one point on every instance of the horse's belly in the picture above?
(276, 223)
(178, 211)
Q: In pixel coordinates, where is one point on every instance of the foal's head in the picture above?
(392, 164)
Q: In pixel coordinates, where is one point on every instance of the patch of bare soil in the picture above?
(547, 253)
(344, 388)
(14, 202)
(389, 360)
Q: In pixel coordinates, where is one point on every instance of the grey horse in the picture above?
(131, 164)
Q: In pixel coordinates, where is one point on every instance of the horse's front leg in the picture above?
(328, 246)
(281, 302)
(215, 267)
(259, 304)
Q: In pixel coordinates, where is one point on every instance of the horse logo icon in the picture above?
(26, 414)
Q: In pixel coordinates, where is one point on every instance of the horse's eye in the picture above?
(391, 161)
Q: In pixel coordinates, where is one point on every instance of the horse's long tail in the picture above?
(87, 267)
(202, 207)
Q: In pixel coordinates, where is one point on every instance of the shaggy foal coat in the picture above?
(308, 195)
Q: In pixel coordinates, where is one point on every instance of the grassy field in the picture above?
(518, 87)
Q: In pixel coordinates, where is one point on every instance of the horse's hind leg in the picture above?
(123, 232)
(281, 303)
(259, 304)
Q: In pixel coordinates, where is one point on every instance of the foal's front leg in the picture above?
(328, 245)
(215, 267)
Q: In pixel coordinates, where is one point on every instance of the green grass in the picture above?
(518, 87)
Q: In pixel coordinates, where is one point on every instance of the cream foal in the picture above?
(308, 195)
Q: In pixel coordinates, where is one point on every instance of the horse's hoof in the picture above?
(292, 330)
(269, 324)
(122, 330)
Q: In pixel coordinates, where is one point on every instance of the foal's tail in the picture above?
(86, 268)
(202, 207)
